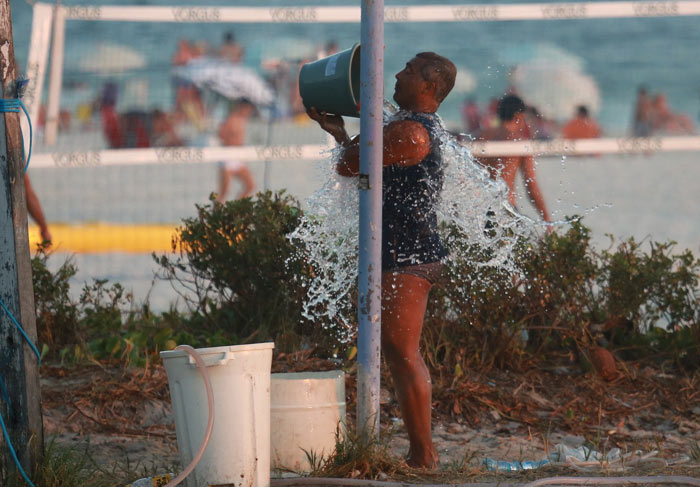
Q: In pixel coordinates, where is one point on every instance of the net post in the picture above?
(56, 76)
(35, 70)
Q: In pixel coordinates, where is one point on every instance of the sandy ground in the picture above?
(126, 418)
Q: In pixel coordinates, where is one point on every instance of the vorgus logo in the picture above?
(196, 14)
(179, 154)
(655, 9)
(553, 147)
(279, 152)
(395, 14)
(76, 159)
(83, 13)
(637, 144)
(564, 11)
(293, 14)
(475, 13)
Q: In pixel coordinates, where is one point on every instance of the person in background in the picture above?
(513, 126)
(489, 118)
(35, 211)
(232, 132)
(231, 50)
(665, 121)
(540, 127)
(641, 121)
(188, 99)
(582, 126)
(471, 116)
(412, 250)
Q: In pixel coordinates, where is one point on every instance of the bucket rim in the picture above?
(355, 96)
(250, 347)
(309, 375)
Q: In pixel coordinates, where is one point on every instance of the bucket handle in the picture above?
(212, 359)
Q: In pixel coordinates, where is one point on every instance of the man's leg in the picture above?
(404, 299)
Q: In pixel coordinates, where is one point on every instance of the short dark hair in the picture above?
(582, 111)
(509, 106)
(438, 70)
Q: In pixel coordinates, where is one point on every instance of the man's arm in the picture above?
(34, 209)
(405, 143)
(533, 188)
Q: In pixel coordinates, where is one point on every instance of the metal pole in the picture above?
(370, 238)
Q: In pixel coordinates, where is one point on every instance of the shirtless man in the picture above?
(511, 110)
(411, 247)
(232, 133)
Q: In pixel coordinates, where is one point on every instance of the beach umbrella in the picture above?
(555, 91)
(109, 59)
(465, 81)
(539, 52)
(232, 81)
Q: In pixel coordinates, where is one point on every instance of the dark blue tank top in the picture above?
(409, 198)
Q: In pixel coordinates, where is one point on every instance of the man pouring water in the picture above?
(412, 250)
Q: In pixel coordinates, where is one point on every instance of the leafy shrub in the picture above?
(248, 281)
(567, 299)
(247, 277)
(56, 314)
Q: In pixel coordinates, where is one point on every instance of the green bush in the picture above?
(245, 281)
(247, 277)
(567, 298)
(56, 314)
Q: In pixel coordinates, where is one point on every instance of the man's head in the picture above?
(509, 106)
(425, 82)
(582, 111)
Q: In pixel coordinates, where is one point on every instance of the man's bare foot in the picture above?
(429, 460)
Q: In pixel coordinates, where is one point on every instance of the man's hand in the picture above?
(333, 124)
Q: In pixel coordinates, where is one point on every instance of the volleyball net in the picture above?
(126, 133)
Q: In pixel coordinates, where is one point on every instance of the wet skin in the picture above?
(404, 296)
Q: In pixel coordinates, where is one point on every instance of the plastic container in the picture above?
(503, 466)
(238, 453)
(332, 84)
(306, 410)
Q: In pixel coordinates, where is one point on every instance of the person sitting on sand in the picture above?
(582, 126)
(665, 121)
(411, 246)
(511, 110)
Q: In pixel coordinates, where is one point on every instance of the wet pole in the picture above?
(370, 236)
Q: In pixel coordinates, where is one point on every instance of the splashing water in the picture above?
(471, 203)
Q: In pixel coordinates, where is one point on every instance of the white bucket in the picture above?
(238, 453)
(306, 409)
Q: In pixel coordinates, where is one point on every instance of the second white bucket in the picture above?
(238, 453)
(306, 409)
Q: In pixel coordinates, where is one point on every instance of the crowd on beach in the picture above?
(651, 116)
(582, 125)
